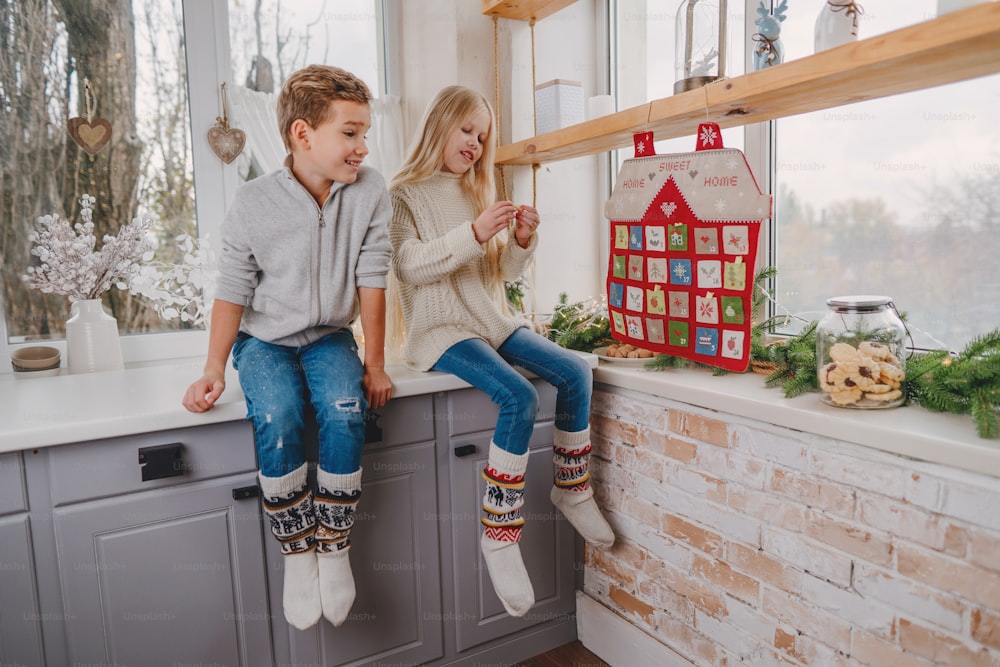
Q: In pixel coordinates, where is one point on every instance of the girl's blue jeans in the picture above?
(280, 383)
(492, 371)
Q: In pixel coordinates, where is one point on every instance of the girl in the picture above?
(451, 255)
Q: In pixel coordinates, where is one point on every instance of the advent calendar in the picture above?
(684, 234)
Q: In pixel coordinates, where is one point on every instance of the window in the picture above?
(897, 196)
(160, 95)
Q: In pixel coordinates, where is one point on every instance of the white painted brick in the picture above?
(806, 555)
(905, 595)
(737, 526)
(735, 466)
(903, 520)
(850, 606)
(695, 482)
(867, 474)
(978, 505)
(663, 547)
(924, 491)
(728, 633)
(781, 449)
(633, 409)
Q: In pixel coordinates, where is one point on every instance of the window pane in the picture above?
(898, 196)
(645, 58)
(270, 39)
(134, 63)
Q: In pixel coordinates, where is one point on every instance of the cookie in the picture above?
(876, 351)
(886, 397)
(847, 396)
(843, 352)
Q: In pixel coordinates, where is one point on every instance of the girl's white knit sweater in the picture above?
(442, 271)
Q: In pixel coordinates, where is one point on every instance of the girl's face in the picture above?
(465, 144)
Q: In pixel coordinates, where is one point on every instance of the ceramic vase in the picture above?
(92, 342)
(837, 24)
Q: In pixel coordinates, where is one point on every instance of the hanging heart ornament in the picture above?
(227, 142)
(90, 135)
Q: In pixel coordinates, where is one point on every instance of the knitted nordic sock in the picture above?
(502, 521)
(336, 500)
(288, 504)
(572, 493)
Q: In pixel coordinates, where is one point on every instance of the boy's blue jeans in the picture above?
(492, 371)
(279, 382)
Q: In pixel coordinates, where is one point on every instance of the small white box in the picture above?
(558, 103)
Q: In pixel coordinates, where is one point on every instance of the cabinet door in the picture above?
(20, 620)
(547, 544)
(396, 617)
(165, 577)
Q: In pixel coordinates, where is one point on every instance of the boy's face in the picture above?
(334, 150)
(465, 145)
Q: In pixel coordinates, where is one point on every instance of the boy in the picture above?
(304, 249)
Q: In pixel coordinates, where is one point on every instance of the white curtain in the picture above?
(254, 113)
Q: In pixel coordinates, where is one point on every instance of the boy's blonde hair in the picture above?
(308, 92)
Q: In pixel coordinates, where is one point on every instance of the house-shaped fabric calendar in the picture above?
(684, 234)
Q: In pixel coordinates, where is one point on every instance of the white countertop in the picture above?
(909, 430)
(46, 411)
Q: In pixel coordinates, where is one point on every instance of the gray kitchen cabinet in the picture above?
(20, 618)
(164, 570)
(150, 549)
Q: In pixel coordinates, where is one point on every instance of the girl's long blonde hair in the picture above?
(451, 107)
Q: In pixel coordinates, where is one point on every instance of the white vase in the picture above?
(92, 342)
(837, 24)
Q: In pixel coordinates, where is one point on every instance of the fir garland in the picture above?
(965, 383)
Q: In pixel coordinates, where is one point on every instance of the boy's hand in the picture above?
(378, 387)
(525, 224)
(204, 392)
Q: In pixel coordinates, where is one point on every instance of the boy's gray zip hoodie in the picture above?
(296, 267)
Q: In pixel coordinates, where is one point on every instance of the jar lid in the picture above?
(859, 301)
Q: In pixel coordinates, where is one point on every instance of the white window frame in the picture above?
(206, 36)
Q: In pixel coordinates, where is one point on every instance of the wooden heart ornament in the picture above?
(90, 135)
(227, 142)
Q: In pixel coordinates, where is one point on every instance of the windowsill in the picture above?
(42, 412)
(910, 431)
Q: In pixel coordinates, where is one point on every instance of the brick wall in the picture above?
(739, 542)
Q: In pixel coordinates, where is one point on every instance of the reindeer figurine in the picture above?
(769, 50)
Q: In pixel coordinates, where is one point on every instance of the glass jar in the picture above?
(860, 353)
(699, 43)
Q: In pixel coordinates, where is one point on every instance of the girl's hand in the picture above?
(492, 220)
(526, 224)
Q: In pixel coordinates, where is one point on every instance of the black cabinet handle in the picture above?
(244, 492)
(162, 461)
(465, 450)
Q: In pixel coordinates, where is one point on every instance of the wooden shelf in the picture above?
(524, 10)
(957, 46)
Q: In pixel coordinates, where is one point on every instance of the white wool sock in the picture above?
(508, 574)
(288, 505)
(572, 493)
(336, 585)
(301, 595)
(580, 509)
(336, 499)
(502, 521)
